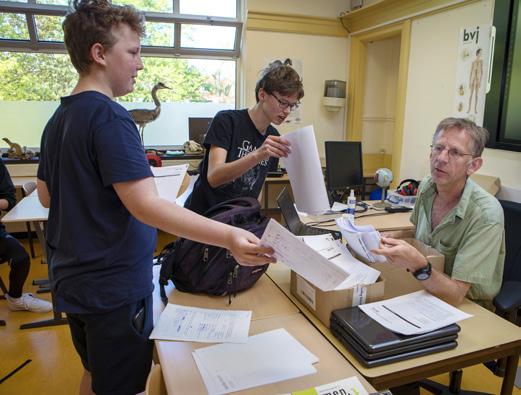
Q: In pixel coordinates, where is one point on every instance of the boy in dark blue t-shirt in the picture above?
(241, 145)
(104, 207)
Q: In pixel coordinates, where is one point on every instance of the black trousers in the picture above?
(13, 252)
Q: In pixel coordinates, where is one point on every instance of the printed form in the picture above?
(414, 313)
(202, 325)
(325, 269)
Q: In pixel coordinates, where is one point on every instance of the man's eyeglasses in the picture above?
(283, 104)
(452, 153)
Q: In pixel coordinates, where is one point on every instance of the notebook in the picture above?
(373, 345)
(293, 222)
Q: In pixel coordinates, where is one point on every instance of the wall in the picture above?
(322, 58)
(431, 79)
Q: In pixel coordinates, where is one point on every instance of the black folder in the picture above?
(373, 344)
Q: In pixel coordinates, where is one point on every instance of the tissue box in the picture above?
(398, 281)
(322, 303)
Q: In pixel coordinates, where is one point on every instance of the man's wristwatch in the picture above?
(424, 273)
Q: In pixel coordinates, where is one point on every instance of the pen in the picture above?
(399, 316)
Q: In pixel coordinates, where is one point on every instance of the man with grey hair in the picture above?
(456, 217)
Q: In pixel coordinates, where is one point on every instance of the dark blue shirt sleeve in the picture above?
(119, 152)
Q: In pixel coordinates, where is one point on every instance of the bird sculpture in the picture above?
(143, 116)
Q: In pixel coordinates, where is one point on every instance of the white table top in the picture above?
(27, 210)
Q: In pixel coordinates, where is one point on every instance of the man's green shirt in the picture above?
(471, 237)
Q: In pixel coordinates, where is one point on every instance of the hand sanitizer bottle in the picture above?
(351, 203)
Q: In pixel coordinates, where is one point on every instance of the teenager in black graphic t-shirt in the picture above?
(242, 144)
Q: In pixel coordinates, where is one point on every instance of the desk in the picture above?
(29, 209)
(284, 179)
(483, 337)
(270, 309)
(182, 375)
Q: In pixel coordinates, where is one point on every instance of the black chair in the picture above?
(507, 302)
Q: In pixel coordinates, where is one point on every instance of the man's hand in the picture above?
(246, 249)
(274, 146)
(401, 254)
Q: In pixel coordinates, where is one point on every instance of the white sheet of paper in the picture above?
(301, 258)
(168, 180)
(305, 172)
(337, 253)
(361, 238)
(414, 313)
(202, 325)
(271, 357)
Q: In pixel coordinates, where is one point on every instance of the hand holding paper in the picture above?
(362, 239)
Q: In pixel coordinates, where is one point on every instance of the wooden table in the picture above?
(271, 309)
(483, 337)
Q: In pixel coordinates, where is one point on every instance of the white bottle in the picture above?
(351, 203)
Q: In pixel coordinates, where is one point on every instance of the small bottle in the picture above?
(351, 203)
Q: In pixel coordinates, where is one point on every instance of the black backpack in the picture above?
(198, 267)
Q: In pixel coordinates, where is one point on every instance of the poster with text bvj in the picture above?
(472, 72)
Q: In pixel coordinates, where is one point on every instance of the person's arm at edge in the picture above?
(402, 254)
(43, 193)
(7, 190)
(141, 199)
(221, 172)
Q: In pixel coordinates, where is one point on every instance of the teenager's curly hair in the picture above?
(90, 22)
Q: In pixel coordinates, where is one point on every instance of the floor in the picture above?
(56, 369)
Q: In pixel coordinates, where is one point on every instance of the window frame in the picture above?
(34, 45)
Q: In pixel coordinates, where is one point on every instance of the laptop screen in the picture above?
(197, 128)
(287, 207)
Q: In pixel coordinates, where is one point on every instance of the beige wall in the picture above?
(322, 58)
(431, 78)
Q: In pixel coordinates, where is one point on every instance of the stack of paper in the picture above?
(362, 239)
(202, 325)
(326, 265)
(266, 358)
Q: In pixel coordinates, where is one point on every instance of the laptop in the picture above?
(197, 128)
(373, 345)
(293, 222)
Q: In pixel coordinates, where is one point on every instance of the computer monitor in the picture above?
(197, 128)
(343, 167)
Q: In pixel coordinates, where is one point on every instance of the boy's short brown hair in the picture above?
(91, 22)
(281, 78)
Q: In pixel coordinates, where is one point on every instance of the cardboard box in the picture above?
(322, 303)
(399, 281)
(491, 184)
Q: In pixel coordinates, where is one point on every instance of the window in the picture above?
(502, 115)
(192, 52)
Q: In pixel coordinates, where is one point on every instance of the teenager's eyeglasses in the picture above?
(283, 104)
(452, 153)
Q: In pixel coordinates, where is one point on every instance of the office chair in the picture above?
(27, 188)
(507, 302)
